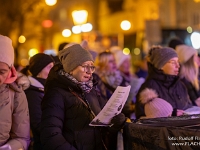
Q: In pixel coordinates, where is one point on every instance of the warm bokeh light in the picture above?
(66, 33)
(195, 39)
(76, 29)
(47, 23)
(196, 1)
(189, 29)
(79, 17)
(125, 25)
(50, 2)
(50, 52)
(86, 27)
(24, 62)
(22, 39)
(32, 52)
(126, 51)
(136, 51)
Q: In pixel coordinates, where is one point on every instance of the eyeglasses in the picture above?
(88, 68)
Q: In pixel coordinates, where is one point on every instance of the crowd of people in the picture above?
(50, 103)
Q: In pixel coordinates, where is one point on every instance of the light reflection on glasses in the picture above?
(88, 68)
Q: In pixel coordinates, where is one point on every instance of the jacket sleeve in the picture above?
(20, 131)
(53, 113)
(34, 105)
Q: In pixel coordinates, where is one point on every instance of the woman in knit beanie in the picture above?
(70, 103)
(14, 126)
(163, 77)
(37, 72)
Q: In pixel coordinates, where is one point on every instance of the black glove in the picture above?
(118, 122)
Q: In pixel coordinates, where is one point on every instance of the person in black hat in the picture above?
(37, 72)
(174, 42)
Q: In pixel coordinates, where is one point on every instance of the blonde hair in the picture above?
(102, 60)
(190, 70)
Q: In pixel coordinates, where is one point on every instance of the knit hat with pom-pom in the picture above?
(159, 56)
(154, 107)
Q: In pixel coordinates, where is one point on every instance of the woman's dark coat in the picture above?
(168, 87)
(34, 96)
(65, 119)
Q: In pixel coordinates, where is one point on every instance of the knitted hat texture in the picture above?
(6, 51)
(73, 56)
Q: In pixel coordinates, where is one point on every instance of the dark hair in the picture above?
(25, 70)
(175, 42)
(62, 45)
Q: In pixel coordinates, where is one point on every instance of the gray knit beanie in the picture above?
(159, 56)
(73, 56)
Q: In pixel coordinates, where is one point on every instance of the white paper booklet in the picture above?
(192, 110)
(112, 108)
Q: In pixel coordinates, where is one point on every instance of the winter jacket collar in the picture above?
(13, 86)
(35, 82)
(56, 80)
(167, 80)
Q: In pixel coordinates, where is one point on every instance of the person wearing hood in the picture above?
(15, 126)
(71, 102)
(163, 77)
(37, 72)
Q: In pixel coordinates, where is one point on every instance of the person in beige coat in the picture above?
(14, 126)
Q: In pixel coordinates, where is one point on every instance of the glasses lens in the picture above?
(92, 68)
(89, 68)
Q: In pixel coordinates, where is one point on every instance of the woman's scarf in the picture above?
(113, 79)
(85, 86)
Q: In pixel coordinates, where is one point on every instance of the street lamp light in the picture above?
(79, 17)
(125, 25)
(50, 2)
(66, 33)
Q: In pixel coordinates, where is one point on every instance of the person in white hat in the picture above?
(189, 71)
(15, 126)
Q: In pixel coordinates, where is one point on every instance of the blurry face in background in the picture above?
(45, 71)
(125, 66)
(83, 72)
(4, 71)
(111, 64)
(171, 67)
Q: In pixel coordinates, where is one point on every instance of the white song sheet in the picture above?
(112, 108)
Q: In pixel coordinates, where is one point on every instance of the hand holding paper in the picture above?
(112, 108)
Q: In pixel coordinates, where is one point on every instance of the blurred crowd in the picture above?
(50, 103)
